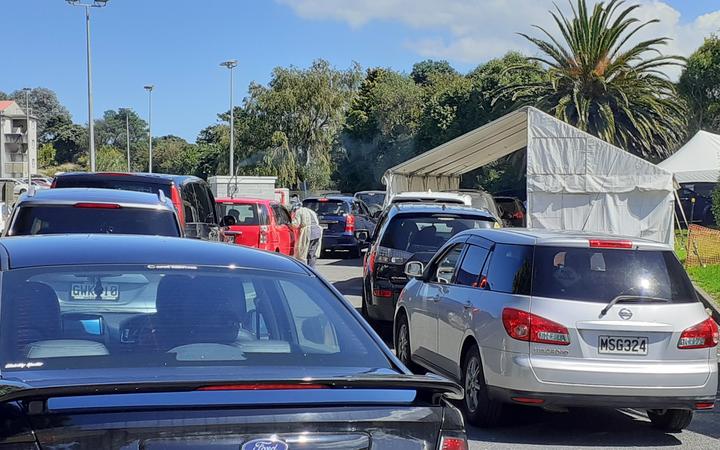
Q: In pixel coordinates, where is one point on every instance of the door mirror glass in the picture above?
(414, 269)
(362, 236)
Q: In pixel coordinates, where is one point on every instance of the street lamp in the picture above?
(231, 65)
(27, 135)
(149, 88)
(91, 125)
(127, 134)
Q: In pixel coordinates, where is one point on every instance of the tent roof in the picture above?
(696, 161)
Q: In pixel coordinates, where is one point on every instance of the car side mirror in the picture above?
(362, 236)
(228, 221)
(414, 269)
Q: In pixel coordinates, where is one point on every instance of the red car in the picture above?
(263, 224)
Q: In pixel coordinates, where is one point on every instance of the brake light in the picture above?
(261, 387)
(518, 215)
(525, 326)
(702, 335)
(453, 443)
(704, 405)
(349, 223)
(177, 202)
(322, 200)
(528, 400)
(97, 205)
(602, 243)
(383, 293)
(263, 234)
(371, 262)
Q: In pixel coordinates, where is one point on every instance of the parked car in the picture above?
(77, 210)
(21, 186)
(340, 216)
(375, 200)
(409, 232)
(431, 197)
(512, 211)
(263, 224)
(701, 212)
(136, 341)
(481, 200)
(192, 197)
(561, 319)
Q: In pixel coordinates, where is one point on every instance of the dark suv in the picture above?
(190, 195)
(340, 216)
(409, 232)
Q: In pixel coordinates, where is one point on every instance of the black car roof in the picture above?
(91, 249)
(93, 195)
(345, 198)
(135, 176)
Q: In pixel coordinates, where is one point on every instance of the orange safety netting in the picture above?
(703, 246)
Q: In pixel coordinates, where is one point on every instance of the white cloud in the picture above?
(472, 31)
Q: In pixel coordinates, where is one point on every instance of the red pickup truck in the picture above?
(263, 224)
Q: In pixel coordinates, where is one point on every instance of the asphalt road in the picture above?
(533, 428)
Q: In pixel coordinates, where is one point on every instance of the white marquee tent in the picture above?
(698, 161)
(575, 181)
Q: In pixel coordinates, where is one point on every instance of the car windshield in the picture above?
(132, 316)
(600, 275)
(244, 214)
(427, 233)
(113, 183)
(372, 198)
(73, 220)
(327, 207)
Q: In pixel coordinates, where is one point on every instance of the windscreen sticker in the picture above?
(24, 365)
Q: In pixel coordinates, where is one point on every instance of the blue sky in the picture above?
(177, 44)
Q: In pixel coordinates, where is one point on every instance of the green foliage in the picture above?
(111, 159)
(46, 155)
(601, 84)
(71, 142)
(716, 203)
(700, 86)
(45, 106)
(172, 154)
(424, 71)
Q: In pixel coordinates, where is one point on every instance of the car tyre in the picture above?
(479, 409)
(402, 344)
(670, 420)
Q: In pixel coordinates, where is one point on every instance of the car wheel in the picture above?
(670, 420)
(402, 343)
(479, 409)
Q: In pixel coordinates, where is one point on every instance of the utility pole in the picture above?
(27, 136)
(149, 88)
(231, 64)
(127, 135)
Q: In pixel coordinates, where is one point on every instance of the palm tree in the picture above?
(599, 83)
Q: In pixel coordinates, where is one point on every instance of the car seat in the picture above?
(36, 312)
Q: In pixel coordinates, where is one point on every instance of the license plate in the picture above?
(86, 291)
(623, 345)
(324, 226)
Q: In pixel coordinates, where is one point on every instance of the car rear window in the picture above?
(415, 233)
(31, 220)
(327, 207)
(244, 214)
(600, 275)
(509, 206)
(165, 317)
(113, 183)
(372, 198)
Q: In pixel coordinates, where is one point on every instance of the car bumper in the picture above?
(383, 308)
(513, 372)
(339, 242)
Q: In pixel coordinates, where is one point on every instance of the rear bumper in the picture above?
(383, 308)
(589, 400)
(339, 242)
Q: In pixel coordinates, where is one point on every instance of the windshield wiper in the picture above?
(626, 297)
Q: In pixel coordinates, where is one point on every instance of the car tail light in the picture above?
(518, 215)
(322, 200)
(97, 205)
(260, 387)
(702, 335)
(383, 293)
(525, 326)
(602, 243)
(453, 443)
(263, 234)
(528, 400)
(704, 405)
(349, 223)
(177, 201)
(371, 262)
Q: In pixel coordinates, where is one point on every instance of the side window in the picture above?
(447, 263)
(281, 216)
(264, 214)
(510, 269)
(356, 208)
(472, 264)
(189, 203)
(205, 212)
(316, 334)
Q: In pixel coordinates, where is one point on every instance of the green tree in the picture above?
(424, 71)
(601, 84)
(46, 156)
(111, 129)
(45, 106)
(700, 86)
(111, 159)
(70, 142)
(172, 154)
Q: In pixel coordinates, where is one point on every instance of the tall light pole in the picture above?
(127, 134)
(231, 65)
(27, 135)
(91, 125)
(149, 89)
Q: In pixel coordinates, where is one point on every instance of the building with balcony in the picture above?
(18, 141)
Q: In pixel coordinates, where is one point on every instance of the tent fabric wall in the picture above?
(575, 181)
(698, 161)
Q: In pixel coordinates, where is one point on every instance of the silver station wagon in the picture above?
(560, 319)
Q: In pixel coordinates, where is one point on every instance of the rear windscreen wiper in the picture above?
(630, 298)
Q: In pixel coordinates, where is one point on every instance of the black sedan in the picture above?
(112, 341)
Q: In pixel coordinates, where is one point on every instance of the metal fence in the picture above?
(703, 246)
